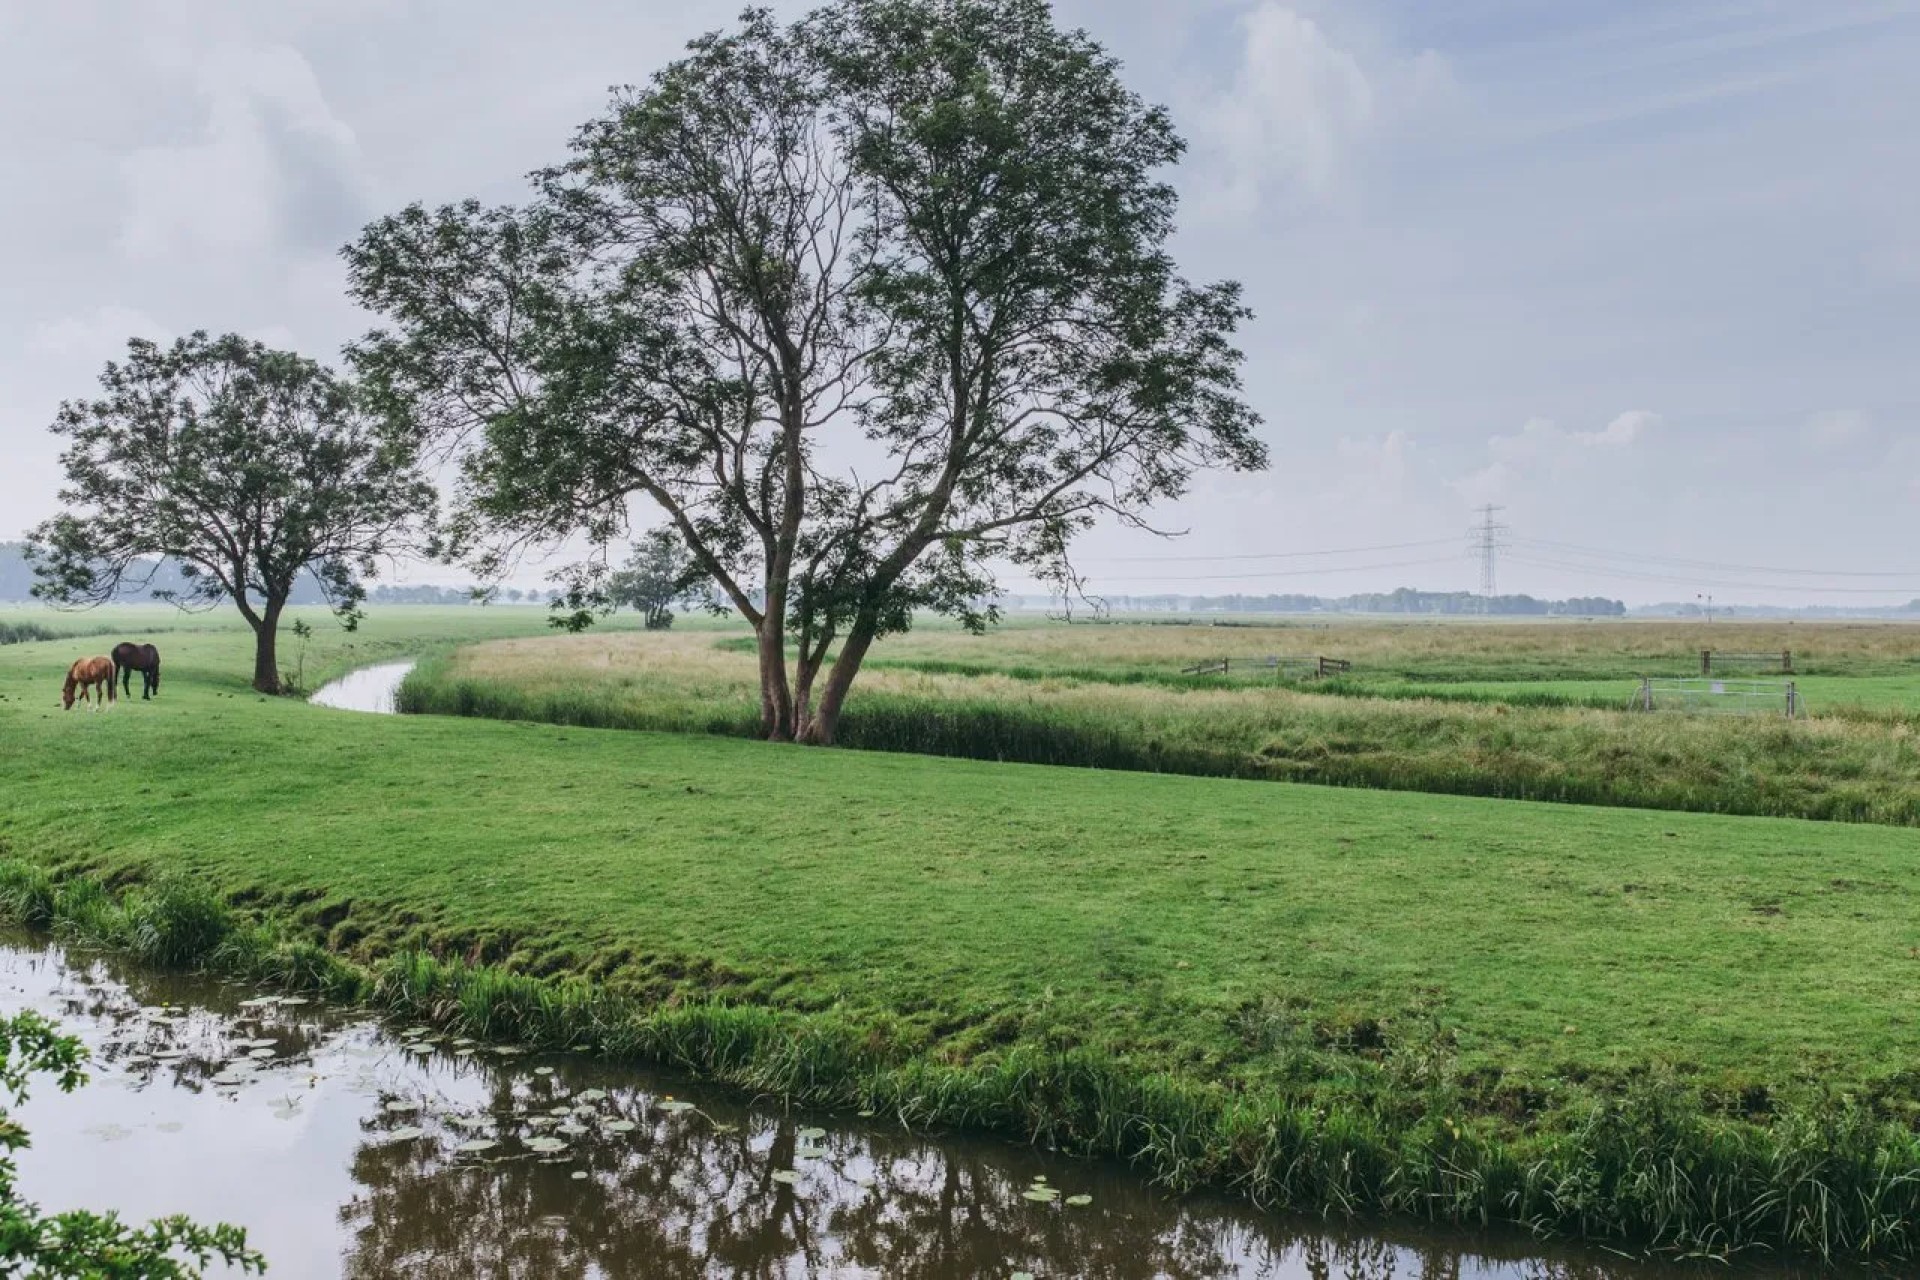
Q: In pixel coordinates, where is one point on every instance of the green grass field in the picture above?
(1310, 946)
(1421, 711)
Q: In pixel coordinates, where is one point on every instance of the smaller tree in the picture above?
(245, 466)
(80, 1243)
(659, 575)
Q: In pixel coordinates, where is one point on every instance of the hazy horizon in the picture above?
(1644, 275)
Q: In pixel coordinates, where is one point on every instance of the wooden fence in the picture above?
(1283, 668)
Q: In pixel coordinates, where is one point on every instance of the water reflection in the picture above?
(350, 1149)
(375, 689)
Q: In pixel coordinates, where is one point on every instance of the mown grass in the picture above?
(1562, 741)
(1677, 1030)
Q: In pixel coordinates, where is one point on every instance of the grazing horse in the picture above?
(90, 675)
(144, 658)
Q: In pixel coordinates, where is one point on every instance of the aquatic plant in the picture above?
(78, 1242)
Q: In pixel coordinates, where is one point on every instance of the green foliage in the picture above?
(931, 232)
(78, 1243)
(248, 467)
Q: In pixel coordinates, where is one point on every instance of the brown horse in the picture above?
(90, 675)
(144, 658)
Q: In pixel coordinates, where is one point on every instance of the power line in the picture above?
(1693, 581)
(1275, 555)
(1282, 573)
(1650, 558)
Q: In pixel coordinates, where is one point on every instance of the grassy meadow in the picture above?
(1519, 711)
(1684, 1030)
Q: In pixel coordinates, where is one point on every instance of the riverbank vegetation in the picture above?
(1672, 1029)
(1533, 712)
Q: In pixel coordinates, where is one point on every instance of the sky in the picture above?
(1645, 274)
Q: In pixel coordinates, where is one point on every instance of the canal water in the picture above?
(373, 689)
(350, 1148)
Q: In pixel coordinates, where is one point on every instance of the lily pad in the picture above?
(401, 1107)
(811, 1153)
(787, 1176)
(573, 1130)
(545, 1146)
(1079, 1201)
(543, 1071)
(260, 1055)
(580, 1175)
(407, 1134)
(476, 1145)
(593, 1095)
(286, 1001)
(808, 1135)
(620, 1126)
(866, 1115)
(673, 1108)
(1041, 1195)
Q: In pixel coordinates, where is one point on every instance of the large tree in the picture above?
(657, 576)
(245, 466)
(864, 304)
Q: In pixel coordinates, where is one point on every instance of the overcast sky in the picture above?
(1644, 272)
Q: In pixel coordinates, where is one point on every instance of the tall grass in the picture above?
(1848, 769)
(1652, 1165)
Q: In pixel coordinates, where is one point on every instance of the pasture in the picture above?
(1345, 952)
(1529, 711)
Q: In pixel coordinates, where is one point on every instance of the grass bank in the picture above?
(1464, 740)
(1675, 1030)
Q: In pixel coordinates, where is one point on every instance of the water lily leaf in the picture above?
(808, 1135)
(1022, 1275)
(260, 1054)
(545, 1146)
(543, 1071)
(420, 1050)
(561, 1111)
(414, 1033)
(407, 1134)
(580, 1175)
(1079, 1201)
(402, 1107)
(593, 1095)
(787, 1176)
(1041, 1195)
(286, 1001)
(620, 1126)
(463, 1053)
(260, 1002)
(573, 1130)
(673, 1108)
(811, 1153)
(508, 1050)
(867, 1114)
(476, 1144)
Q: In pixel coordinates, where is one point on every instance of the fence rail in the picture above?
(1284, 668)
(1717, 696)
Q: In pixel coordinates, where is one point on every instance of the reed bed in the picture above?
(1860, 766)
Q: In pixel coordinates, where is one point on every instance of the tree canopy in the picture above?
(244, 466)
(658, 575)
(861, 305)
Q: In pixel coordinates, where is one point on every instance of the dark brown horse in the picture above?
(144, 658)
(90, 675)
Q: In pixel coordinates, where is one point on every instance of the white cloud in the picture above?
(1835, 428)
(271, 165)
(1541, 448)
(1302, 103)
(1622, 431)
(94, 338)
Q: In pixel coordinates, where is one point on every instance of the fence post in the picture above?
(1793, 701)
(1706, 662)
(1786, 661)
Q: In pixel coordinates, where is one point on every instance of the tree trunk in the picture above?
(824, 722)
(776, 695)
(266, 658)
